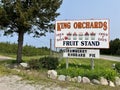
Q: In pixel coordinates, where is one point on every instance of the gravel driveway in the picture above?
(16, 83)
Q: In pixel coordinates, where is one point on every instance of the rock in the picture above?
(111, 84)
(18, 70)
(68, 78)
(117, 81)
(85, 80)
(95, 81)
(74, 79)
(113, 66)
(61, 77)
(103, 81)
(24, 65)
(79, 79)
(52, 74)
(15, 65)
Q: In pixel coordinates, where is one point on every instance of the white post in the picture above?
(67, 63)
(92, 64)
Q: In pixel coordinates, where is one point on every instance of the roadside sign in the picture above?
(81, 53)
(82, 33)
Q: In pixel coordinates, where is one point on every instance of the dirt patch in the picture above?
(16, 83)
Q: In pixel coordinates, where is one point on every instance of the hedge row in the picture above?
(8, 48)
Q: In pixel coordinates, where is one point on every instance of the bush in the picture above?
(45, 62)
(49, 62)
(117, 67)
(35, 64)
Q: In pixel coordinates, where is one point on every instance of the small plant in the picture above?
(117, 67)
(109, 74)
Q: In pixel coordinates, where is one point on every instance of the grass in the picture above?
(40, 76)
(85, 63)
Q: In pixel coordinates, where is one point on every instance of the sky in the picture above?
(75, 10)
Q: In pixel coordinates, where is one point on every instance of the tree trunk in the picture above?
(20, 46)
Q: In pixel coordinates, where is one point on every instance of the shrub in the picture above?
(49, 62)
(45, 62)
(35, 64)
(117, 67)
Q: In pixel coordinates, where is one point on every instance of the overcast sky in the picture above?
(80, 9)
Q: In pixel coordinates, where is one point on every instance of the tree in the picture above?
(114, 48)
(27, 16)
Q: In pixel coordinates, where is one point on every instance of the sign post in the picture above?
(92, 63)
(81, 53)
(67, 63)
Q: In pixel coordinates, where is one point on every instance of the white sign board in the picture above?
(82, 34)
(81, 53)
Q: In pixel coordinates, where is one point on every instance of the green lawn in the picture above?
(99, 63)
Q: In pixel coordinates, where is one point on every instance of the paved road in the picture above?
(112, 58)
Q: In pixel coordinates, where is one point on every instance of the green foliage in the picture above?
(22, 15)
(118, 52)
(92, 74)
(8, 48)
(35, 64)
(82, 68)
(32, 51)
(114, 48)
(117, 66)
(49, 62)
(45, 62)
(109, 74)
(28, 16)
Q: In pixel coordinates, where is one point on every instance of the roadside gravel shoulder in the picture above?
(13, 82)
